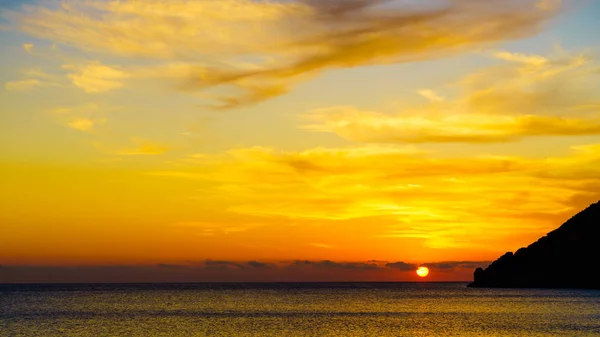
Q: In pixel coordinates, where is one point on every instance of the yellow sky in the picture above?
(163, 132)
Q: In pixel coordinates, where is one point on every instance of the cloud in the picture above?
(85, 124)
(222, 264)
(23, 85)
(33, 79)
(440, 201)
(168, 266)
(534, 60)
(430, 95)
(452, 265)
(234, 271)
(96, 77)
(143, 28)
(85, 117)
(530, 96)
(28, 47)
(262, 49)
(257, 264)
(373, 40)
(402, 266)
(373, 127)
(327, 264)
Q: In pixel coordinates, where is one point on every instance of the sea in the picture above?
(295, 309)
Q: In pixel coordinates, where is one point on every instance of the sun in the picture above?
(422, 271)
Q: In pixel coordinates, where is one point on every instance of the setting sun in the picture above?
(423, 271)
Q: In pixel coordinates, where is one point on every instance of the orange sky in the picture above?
(293, 140)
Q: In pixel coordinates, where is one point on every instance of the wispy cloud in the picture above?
(28, 47)
(96, 77)
(430, 95)
(534, 60)
(23, 85)
(534, 96)
(85, 124)
(263, 48)
(322, 245)
(85, 117)
(33, 78)
(221, 264)
(443, 202)
(368, 126)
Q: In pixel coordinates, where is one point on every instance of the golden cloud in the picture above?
(534, 60)
(96, 77)
(86, 117)
(446, 202)
(430, 95)
(32, 79)
(86, 124)
(23, 85)
(28, 47)
(263, 48)
(366, 126)
(530, 96)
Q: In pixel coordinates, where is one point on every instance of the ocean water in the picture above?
(318, 309)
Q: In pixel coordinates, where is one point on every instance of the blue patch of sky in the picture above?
(576, 29)
(13, 4)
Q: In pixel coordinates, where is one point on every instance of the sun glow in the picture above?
(422, 271)
(251, 144)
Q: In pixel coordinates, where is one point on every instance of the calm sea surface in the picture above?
(325, 309)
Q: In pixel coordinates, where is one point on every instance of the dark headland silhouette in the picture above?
(567, 257)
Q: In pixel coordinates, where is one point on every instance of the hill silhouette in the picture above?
(565, 258)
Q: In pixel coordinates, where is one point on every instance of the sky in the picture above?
(296, 140)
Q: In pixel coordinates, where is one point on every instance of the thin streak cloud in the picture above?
(528, 96)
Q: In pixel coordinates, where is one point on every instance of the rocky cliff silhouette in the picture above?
(567, 257)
